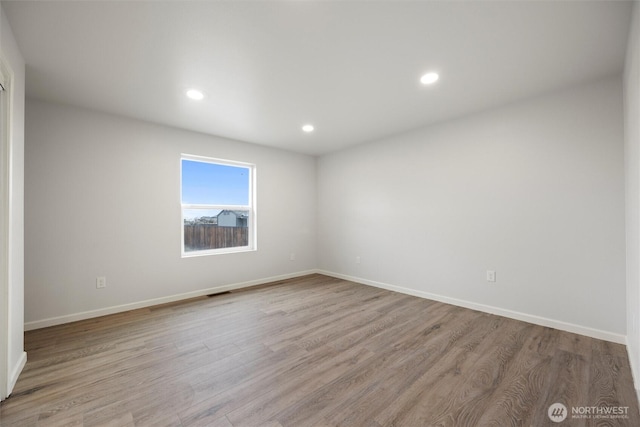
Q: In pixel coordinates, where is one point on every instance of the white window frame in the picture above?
(251, 208)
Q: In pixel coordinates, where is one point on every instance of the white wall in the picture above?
(632, 181)
(16, 354)
(102, 199)
(534, 190)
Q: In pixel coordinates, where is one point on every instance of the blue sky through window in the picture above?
(214, 184)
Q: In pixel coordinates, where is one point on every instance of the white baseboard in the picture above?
(52, 321)
(15, 372)
(537, 320)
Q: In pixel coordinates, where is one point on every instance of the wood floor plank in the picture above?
(609, 385)
(289, 389)
(567, 376)
(405, 372)
(513, 402)
(445, 385)
(314, 351)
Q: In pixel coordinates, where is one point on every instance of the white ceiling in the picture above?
(350, 68)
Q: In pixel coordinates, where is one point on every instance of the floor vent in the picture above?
(219, 293)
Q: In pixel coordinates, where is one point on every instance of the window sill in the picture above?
(224, 251)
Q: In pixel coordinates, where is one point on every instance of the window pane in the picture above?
(200, 216)
(206, 229)
(214, 184)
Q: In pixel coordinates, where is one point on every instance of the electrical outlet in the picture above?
(101, 282)
(358, 260)
(491, 276)
(292, 257)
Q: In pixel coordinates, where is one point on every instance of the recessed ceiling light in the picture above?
(429, 78)
(195, 94)
(307, 128)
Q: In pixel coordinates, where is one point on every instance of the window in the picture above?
(218, 209)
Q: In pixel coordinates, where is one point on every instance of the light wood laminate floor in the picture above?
(314, 351)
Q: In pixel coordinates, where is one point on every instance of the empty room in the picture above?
(319, 213)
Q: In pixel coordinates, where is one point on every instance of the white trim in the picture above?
(206, 159)
(15, 372)
(221, 251)
(537, 320)
(52, 321)
(634, 374)
(7, 76)
(530, 318)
